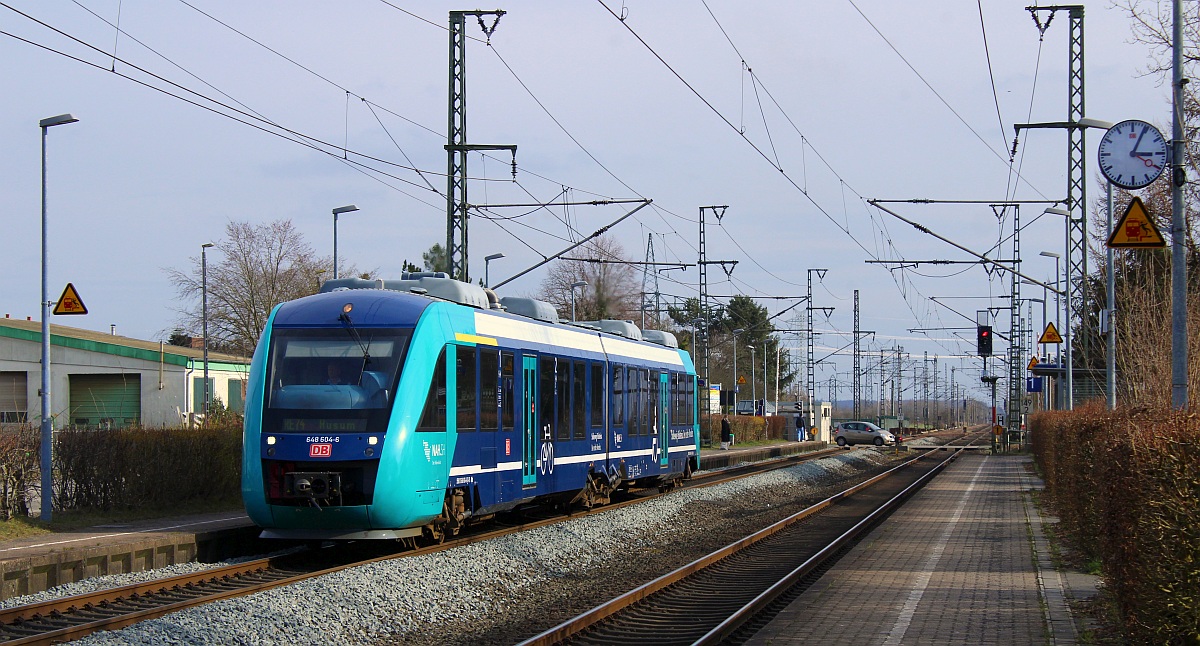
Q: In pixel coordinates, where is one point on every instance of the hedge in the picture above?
(1126, 487)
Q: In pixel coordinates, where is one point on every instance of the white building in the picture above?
(102, 380)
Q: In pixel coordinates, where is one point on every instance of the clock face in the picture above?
(1132, 154)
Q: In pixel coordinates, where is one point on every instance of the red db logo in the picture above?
(320, 450)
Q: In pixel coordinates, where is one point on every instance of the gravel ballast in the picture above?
(505, 589)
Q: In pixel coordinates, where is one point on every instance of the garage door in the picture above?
(106, 401)
(13, 398)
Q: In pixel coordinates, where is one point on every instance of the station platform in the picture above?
(963, 562)
(37, 563)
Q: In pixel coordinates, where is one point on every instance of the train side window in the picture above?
(578, 403)
(466, 388)
(489, 389)
(652, 404)
(634, 388)
(691, 400)
(617, 401)
(434, 416)
(673, 398)
(562, 386)
(647, 401)
(546, 396)
(507, 397)
(597, 390)
(680, 416)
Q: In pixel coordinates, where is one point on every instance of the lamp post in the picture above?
(204, 317)
(336, 212)
(578, 283)
(486, 261)
(735, 372)
(47, 423)
(753, 390)
(1057, 309)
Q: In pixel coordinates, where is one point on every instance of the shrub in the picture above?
(1126, 485)
(19, 469)
(147, 467)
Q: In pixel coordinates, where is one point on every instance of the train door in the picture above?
(529, 430)
(664, 418)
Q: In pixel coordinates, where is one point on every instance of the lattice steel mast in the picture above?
(457, 147)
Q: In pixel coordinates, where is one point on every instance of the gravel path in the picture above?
(510, 588)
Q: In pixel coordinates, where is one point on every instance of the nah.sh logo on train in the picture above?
(320, 450)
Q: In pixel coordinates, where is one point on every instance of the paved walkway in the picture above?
(956, 565)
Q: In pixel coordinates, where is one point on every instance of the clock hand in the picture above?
(1148, 161)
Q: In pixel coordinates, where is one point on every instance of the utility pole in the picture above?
(856, 379)
(925, 389)
(1016, 367)
(457, 147)
(882, 380)
(812, 369)
(937, 396)
(650, 282)
(1076, 220)
(1179, 338)
(705, 311)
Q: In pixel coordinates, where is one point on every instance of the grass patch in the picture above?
(21, 528)
(74, 519)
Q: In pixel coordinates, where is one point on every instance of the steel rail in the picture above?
(724, 628)
(123, 606)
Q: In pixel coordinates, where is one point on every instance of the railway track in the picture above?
(70, 618)
(728, 595)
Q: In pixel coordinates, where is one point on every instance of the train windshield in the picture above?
(335, 368)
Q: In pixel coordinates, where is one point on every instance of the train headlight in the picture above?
(270, 440)
(372, 440)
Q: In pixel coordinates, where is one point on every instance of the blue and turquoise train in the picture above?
(408, 409)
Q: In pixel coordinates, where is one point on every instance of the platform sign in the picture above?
(69, 302)
(714, 397)
(1136, 229)
(1051, 334)
(1033, 385)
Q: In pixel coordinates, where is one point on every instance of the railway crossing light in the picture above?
(983, 340)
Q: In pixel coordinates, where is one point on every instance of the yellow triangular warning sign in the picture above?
(1033, 361)
(1051, 335)
(69, 302)
(1136, 229)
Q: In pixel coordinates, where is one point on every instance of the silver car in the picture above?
(851, 433)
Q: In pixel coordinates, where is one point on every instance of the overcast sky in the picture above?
(847, 101)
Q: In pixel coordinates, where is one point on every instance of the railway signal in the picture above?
(983, 340)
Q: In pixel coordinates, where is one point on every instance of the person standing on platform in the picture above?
(726, 432)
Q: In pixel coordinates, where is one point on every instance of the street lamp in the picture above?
(486, 261)
(336, 212)
(204, 317)
(47, 424)
(753, 392)
(735, 372)
(578, 283)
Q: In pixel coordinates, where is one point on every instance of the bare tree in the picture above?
(250, 271)
(612, 292)
(1142, 276)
